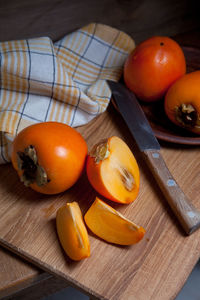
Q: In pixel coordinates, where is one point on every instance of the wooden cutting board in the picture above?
(155, 268)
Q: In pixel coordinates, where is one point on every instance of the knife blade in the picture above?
(133, 115)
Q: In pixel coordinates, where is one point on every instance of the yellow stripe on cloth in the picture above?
(63, 82)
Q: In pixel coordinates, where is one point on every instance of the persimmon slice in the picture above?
(72, 231)
(111, 226)
(113, 170)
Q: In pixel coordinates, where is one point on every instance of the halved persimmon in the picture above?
(72, 232)
(113, 170)
(110, 225)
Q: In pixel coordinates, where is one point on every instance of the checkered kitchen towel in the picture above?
(64, 82)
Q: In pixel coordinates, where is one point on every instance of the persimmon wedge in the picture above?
(111, 226)
(72, 231)
(113, 170)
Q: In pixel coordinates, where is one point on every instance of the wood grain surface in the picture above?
(151, 269)
(21, 280)
(27, 218)
(186, 213)
(15, 272)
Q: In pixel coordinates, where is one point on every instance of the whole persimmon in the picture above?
(153, 66)
(49, 157)
(182, 102)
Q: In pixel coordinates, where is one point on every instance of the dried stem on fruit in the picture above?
(32, 172)
(187, 115)
(100, 151)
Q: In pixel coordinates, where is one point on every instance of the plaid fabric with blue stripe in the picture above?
(63, 82)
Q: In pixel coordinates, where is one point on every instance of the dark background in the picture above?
(21, 19)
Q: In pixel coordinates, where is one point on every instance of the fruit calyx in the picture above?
(127, 179)
(187, 115)
(100, 151)
(32, 172)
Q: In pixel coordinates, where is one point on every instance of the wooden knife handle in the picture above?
(186, 213)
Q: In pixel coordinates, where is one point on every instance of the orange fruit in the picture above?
(49, 157)
(72, 232)
(113, 170)
(182, 102)
(153, 66)
(111, 226)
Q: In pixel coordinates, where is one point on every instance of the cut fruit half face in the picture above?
(113, 170)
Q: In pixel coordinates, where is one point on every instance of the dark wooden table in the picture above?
(55, 18)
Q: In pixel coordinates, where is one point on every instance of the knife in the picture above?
(142, 132)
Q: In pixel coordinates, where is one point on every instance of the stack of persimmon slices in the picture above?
(113, 172)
